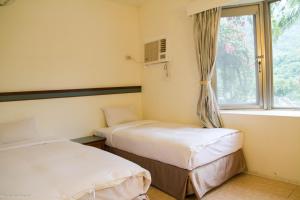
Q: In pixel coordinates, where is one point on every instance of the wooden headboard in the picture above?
(50, 94)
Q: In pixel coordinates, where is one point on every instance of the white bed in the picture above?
(179, 145)
(57, 169)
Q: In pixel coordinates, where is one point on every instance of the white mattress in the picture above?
(62, 170)
(128, 190)
(175, 144)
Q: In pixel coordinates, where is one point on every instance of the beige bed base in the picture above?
(179, 182)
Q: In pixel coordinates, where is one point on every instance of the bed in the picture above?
(58, 169)
(182, 159)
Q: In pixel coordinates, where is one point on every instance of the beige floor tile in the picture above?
(244, 187)
(295, 194)
(294, 197)
(156, 194)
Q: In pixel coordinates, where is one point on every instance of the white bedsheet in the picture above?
(61, 170)
(176, 144)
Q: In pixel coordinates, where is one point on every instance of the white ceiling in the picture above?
(131, 2)
(140, 2)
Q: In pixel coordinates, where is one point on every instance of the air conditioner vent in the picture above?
(163, 46)
(156, 51)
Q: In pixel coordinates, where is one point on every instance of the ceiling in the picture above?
(131, 2)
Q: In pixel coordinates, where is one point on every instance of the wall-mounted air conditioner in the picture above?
(156, 52)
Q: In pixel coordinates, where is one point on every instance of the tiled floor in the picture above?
(244, 187)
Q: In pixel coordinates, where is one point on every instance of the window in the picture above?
(285, 22)
(238, 81)
(243, 80)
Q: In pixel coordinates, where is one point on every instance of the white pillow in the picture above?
(119, 115)
(17, 131)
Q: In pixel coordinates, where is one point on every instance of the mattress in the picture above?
(130, 189)
(57, 169)
(180, 145)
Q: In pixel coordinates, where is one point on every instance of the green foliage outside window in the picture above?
(236, 64)
(286, 52)
(236, 68)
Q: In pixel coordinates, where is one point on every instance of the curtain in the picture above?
(206, 26)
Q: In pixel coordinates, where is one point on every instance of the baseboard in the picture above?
(275, 178)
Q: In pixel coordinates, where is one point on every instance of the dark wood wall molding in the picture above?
(51, 94)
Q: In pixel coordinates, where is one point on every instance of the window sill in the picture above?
(280, 113)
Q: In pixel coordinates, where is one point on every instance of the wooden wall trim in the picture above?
(50, 94)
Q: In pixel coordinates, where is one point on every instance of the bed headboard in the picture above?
(50, 94)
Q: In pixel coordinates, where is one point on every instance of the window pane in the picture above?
(236, 61)
(286, 53)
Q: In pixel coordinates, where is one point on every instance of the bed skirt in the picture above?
(179, 182)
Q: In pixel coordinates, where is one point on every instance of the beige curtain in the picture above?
(206, 26)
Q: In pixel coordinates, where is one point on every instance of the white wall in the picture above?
(272, 144)
(172, 96)
(68, 117)
(66, 44)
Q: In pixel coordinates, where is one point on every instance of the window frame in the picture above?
(264, 49)
(256, 10)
